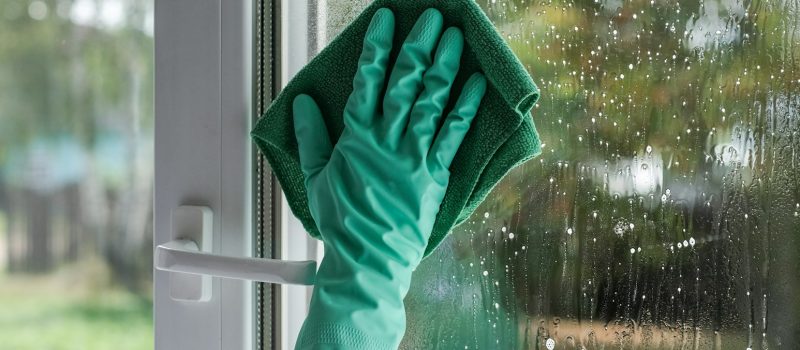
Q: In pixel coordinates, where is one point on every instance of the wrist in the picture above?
(320, 335)
(360, 283)
(356, 304)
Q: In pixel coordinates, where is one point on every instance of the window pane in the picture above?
(664, 211)
(76, 174)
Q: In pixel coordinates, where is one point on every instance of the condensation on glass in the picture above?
(664, 212)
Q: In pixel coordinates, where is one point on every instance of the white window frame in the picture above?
(204, 157)
(298, 44)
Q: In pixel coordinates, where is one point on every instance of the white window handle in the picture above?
(190, 259)
(184, 256)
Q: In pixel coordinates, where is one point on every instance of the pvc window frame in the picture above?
(203, 156)
(302, 33)
(206, 103)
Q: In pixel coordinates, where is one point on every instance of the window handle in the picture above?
(189, 259)
(183, 255)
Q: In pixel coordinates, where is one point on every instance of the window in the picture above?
(661, 215)
(76, 174)
(663, 212)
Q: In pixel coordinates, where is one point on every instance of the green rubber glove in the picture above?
(375, 195)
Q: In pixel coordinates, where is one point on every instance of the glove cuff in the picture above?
(318, 336)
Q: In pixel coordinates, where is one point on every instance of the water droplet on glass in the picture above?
(511, 235)
(569, 231)
(485, 273)
(486, 214)
(619, 229)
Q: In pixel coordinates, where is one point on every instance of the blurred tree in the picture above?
(76, 143)
(665, 204)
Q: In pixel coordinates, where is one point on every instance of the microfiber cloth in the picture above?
(501, 137)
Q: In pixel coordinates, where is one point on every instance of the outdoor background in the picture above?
(76, 168)
(664, 212)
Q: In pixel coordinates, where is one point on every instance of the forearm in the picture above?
(356, 303)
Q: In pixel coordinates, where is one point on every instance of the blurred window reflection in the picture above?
(665, 210)
(76, 167)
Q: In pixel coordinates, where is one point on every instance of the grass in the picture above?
(70, 309)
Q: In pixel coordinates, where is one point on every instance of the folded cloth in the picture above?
(501, 137)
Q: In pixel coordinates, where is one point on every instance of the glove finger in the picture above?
(313, 141)
(371, 74)
(457, 123)
(405, 81)
(438, 80)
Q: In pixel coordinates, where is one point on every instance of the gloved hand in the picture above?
(374, 195)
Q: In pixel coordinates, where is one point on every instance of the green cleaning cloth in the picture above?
(501, 137)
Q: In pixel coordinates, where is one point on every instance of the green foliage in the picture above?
(64, 77)
(76, 117)
(56, 312)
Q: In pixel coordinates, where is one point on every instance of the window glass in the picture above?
(76, 174)
(664, 210)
